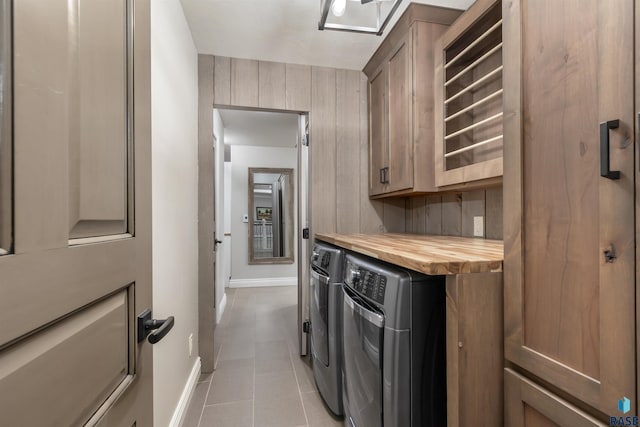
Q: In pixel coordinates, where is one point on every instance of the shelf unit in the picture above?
(468, 97)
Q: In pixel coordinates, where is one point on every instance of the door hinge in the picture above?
(305, 139)
(306, 327)
(305, 233)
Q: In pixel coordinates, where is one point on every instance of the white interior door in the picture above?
(304, 222)
(220, 243)
(78, 268)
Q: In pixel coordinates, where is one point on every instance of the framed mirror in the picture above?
(270, 216)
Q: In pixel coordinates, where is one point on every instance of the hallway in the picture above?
(259, 381)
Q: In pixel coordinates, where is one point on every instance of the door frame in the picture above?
(207, 185)
(206, 219)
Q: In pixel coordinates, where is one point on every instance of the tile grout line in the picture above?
(295, 374)
(206, 396)
(217, 356)
(230, 402)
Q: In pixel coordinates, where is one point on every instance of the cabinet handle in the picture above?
(604, 149)
(385, 175)
(382, 175)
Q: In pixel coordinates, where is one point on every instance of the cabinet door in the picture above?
(528, 404)
(474, 349)
(400, 116)
(378, 154)
(569, 240)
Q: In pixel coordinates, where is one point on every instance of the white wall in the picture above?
(218, 131)
(174, 86)
(242, 158)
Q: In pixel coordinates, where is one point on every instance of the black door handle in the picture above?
(146, 324)
(217, 242)
(604, 149)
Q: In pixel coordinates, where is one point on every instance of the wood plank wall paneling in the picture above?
(222, 80)
(452, 214)
(347, 150)
(472, 206)
(206, 296)
(394, 215)
(493, 213)
(418, 215)
(244, 82)
(323, 150)
(297, 87)
(271, 85)
(433, 212)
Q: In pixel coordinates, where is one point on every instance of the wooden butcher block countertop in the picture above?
(434, 255)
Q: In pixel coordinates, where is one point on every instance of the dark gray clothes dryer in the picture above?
(327, 262)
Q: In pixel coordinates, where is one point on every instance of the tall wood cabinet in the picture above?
(569, 220)
(400, 89)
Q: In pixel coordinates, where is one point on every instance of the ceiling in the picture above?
(259, 128)
(283, 31)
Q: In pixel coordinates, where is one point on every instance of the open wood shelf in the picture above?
(469, 99)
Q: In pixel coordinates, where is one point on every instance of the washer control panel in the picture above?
(367, 282)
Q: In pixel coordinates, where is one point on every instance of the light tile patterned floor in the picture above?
(259, 380)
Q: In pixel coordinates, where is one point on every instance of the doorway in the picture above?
(260, 208)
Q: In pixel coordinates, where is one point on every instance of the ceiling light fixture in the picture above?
(357, 16)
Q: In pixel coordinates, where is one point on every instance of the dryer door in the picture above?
(363, 338)
(319, 315)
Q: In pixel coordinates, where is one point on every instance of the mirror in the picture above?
(270, 216)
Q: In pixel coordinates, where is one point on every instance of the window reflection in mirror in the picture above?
(270, 216)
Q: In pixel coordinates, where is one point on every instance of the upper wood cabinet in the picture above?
(378, 152)
(400, 86)
(468, 97)
(570, 287)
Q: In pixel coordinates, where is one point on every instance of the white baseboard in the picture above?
(258, 283)
(185, 398)
(220, 310)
